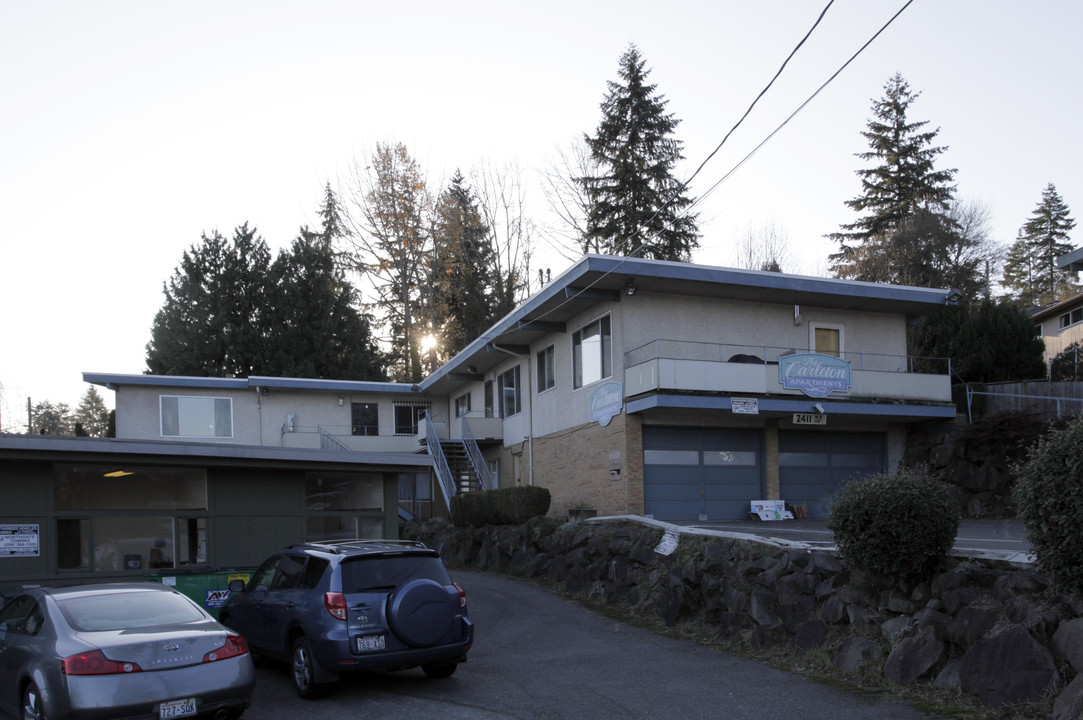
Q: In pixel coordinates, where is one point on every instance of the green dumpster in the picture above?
(208, 588)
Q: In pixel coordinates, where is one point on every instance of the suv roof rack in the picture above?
(338, 546)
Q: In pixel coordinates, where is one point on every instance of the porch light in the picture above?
(630, 288)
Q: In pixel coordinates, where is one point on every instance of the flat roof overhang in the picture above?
(785, 406)
(67, 449)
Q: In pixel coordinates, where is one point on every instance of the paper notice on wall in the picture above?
(668, 543)
(20, 541)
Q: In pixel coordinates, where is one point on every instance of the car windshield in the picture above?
(125, 611)
(391, 571)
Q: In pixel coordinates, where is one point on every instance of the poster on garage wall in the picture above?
(20, 541)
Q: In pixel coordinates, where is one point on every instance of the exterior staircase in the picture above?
(462, 470)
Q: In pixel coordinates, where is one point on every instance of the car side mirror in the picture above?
(236, 586)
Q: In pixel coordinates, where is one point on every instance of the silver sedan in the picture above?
(126, 650)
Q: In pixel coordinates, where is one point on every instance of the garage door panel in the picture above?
(814, 465)
(726, 474)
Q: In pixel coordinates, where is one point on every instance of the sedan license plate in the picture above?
(368, 643)
(177, 708)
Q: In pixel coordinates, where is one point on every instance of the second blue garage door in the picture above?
(813, 465)
(690, 474)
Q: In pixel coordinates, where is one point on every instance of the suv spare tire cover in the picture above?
(421, 612)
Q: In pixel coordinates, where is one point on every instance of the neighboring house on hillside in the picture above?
(1059, 325)
(640, 387)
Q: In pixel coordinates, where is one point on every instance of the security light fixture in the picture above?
(630, 288)
(954, 296)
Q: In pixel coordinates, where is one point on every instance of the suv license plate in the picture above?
(368, 643)
(177, 708)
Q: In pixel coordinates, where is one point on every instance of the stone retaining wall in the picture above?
(995, 632)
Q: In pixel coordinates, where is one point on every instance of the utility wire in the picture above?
(801, 107)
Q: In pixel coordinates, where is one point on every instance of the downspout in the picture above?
(259, 415)
(530, 400)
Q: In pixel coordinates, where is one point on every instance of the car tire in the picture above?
(421, 612)
(32, 708)
(303, 671)
(440, 670)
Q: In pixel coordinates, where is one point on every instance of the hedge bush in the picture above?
(897, 528)
(1048, 495)
(503, 506)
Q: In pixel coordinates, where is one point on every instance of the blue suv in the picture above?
(333, 607)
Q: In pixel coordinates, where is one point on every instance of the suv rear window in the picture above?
(371, 573)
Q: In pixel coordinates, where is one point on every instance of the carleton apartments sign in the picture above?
(814, 374)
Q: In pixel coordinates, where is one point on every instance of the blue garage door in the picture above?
(812, 465)
(689, 473)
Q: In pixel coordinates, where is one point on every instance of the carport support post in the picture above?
(770, 458)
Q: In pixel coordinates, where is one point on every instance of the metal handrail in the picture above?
(724, 352)
(481, 469)
(330, 442)
(443, 472)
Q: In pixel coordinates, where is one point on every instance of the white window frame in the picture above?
(814, 326)
(462, 405)
(605, 370)
(192, 400)
(546, 368)
(517, 404)
(1067, 320)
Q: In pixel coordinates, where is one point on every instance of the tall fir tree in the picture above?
(1031, 274)
(905, 199)
(390, 245)
(319, 331)
(213, 322)
(463, 271)
(92, 416)
(636, 207)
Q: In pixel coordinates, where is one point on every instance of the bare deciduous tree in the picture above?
(764, 248)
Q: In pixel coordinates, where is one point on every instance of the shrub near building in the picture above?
(897, 528)
(1049, 498)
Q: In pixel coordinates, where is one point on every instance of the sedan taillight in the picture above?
(462, 594)
(335, 604)
(235, 645)
(95, 663)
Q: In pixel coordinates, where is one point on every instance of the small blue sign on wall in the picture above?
(606, 402)
(815, 374)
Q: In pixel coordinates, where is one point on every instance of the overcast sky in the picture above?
(130, 128)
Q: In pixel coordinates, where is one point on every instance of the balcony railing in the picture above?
(725, 368)
(766, 354)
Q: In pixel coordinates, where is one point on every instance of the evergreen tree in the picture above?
(1030, 273)
(92, 415)
(905, 200)
(986, 341)
(52, 418)
(463, 272)
(213, 322)
(318, 330)
(636, 207)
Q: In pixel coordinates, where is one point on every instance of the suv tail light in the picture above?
(335, 604)
(235, 645)
(95, 663)
(462, 594)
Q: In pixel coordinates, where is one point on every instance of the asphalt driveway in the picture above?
(539, 656)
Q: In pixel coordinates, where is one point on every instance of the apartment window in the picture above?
(196, 417)
(826, 339)
(462, 405)
(511, 399)
(547, 374)
(592, 352)
(364, 419)
(407, 417)
(1071, 318)
(490, 405)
